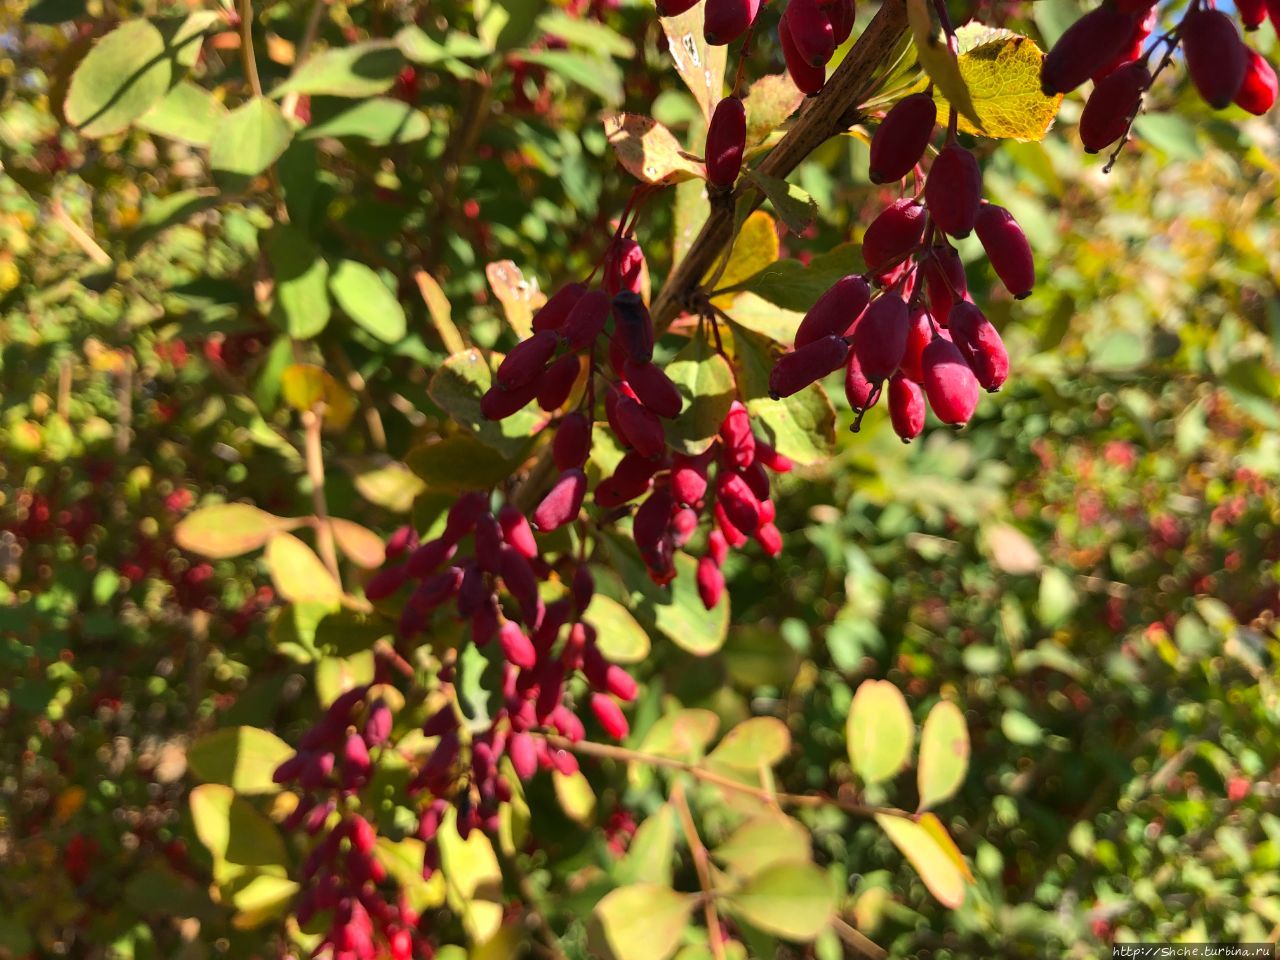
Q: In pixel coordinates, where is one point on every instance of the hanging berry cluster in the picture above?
(1107, 46)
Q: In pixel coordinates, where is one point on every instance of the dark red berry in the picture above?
(557, 383)
(726, 20)
(553, 313)
(953, 190)
(811, 30)
(586, 320)
(900, 140)
(836, 311)
(624, 267)
(1112, 105)
(809, 79)
(526, 360)
(880, 338)
(562, 502)
(893, 236)
(1007, 249)
(654, 389)
(1217, 58)
(980, 344)
(805, 365)
(726, 141)
(572, 442)
(944, 281)
(632, 327)
(1087, 45)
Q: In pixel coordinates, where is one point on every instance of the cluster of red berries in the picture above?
(342, 875)
(1106, 45)
(922, 334)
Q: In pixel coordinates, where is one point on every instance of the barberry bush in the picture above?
(445, 514)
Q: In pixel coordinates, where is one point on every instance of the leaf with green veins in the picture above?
(791, 203)
(705, 381)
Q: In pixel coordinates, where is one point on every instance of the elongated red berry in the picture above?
(1217, 58)
(1086, 46)
(524, 755)
(1007, 249)
(710, 582)
(919, 333)
(738, 439)
(632, 326)
(516, 646)
(654, 389)
(949, 384)
(900, 140)
(562, 502)
(836, 311)
(811, 29)
(893, 235)
(739, 501)
(726, 141)
(517, 532)
(809, 79)
(640, 428)
(944, 281)
(953, 190)
(689, 479)
(843, 13)
(808, 364)
(1112, 105)
(572, 442)
(385, 582)
(980, 344)
(553, 313)
(556, 384)
(610, 716)
(880, 338)
(1258, 91)
(726, 20)
(630, 478)
(624, 267)
(673, 8)
(906, 407)
(1144, 23)
(861, 391)
(586, 320)
(499, 403)
(1252, 13)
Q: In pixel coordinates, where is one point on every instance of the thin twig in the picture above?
(865, 949)
(303, 50)
(610, 752)
(79, 235)
(701, 863)
(311, 424)
(245, 8)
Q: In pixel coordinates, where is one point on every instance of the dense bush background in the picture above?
(1089, 568)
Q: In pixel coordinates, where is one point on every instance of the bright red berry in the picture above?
(562, 502)
(906, 407)
(944, 281)
(836, 311)
(1007, 249)
(1258, 91)
(726, 141)
(949, 384)
(953, 190)
(880, 338)
(893, 235)
(710, 582)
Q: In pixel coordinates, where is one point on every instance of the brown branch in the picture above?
(701, 863)
(245, 9)
(864, 948)
(825, 115)
(311, 425)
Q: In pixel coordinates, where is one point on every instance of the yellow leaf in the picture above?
(297, 571)
(576, 797)
(931, 859)
(755, 248)
(649, 151)
(1001, 70)
(938, 59)
(473, 879)
(441, 312)
(519, 297)
(700, 65)
(303, 385)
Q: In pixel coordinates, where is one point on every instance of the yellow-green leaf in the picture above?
(243, 758)
(763, 841)
(795, 900)
(931, 860)
(619, 637)
(753, 743)
(577, 799)
(938, 59)
(473, 879)
(649, 151)
(640, 922)
(755, 248)
(1001, 71)
(297, 571)
(944, 754)
(879, 731)
(361, 545)
(228, 530)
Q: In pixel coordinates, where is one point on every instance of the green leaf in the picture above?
(588, 34)
(360, 70)
(459, 463)
(474, 878)
(1001, 70)
(336, 675)
(228, 530)
(246, 142)
(792, 204)
(597, 74)
(801, 426)
(390, 485)
(682, 735)
(944, 754)
(421, 48)
(761, 842)
(457, 388)
(188, 114)
(298, 574)
(651, 854)
(125, 74)
(644, 921)
(363, 297)
(301, 276)
(705, 381)
(769, 102)
(243, 758)
(757, 742)
(649, 151)
(380, 120)
(1018, 728)
(681, 616)
(791, 900)
(795, 286)
(403, 860)
(262, 899)
(233, 831)
(929, 855)
(1057, 597)
(879, 731)
(619, 637)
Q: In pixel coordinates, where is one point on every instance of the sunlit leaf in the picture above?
(879, 731)
(944, 754)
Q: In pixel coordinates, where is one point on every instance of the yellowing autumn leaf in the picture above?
(938, 60)
(1001, 71)
(755, 248)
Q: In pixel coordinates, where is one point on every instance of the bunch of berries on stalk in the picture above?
(571, 332)
(910, 322)
(809, 31)
(342, 876)
(1106, 46)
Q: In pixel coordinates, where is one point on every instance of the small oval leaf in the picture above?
(944, 754)
(879, 731)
